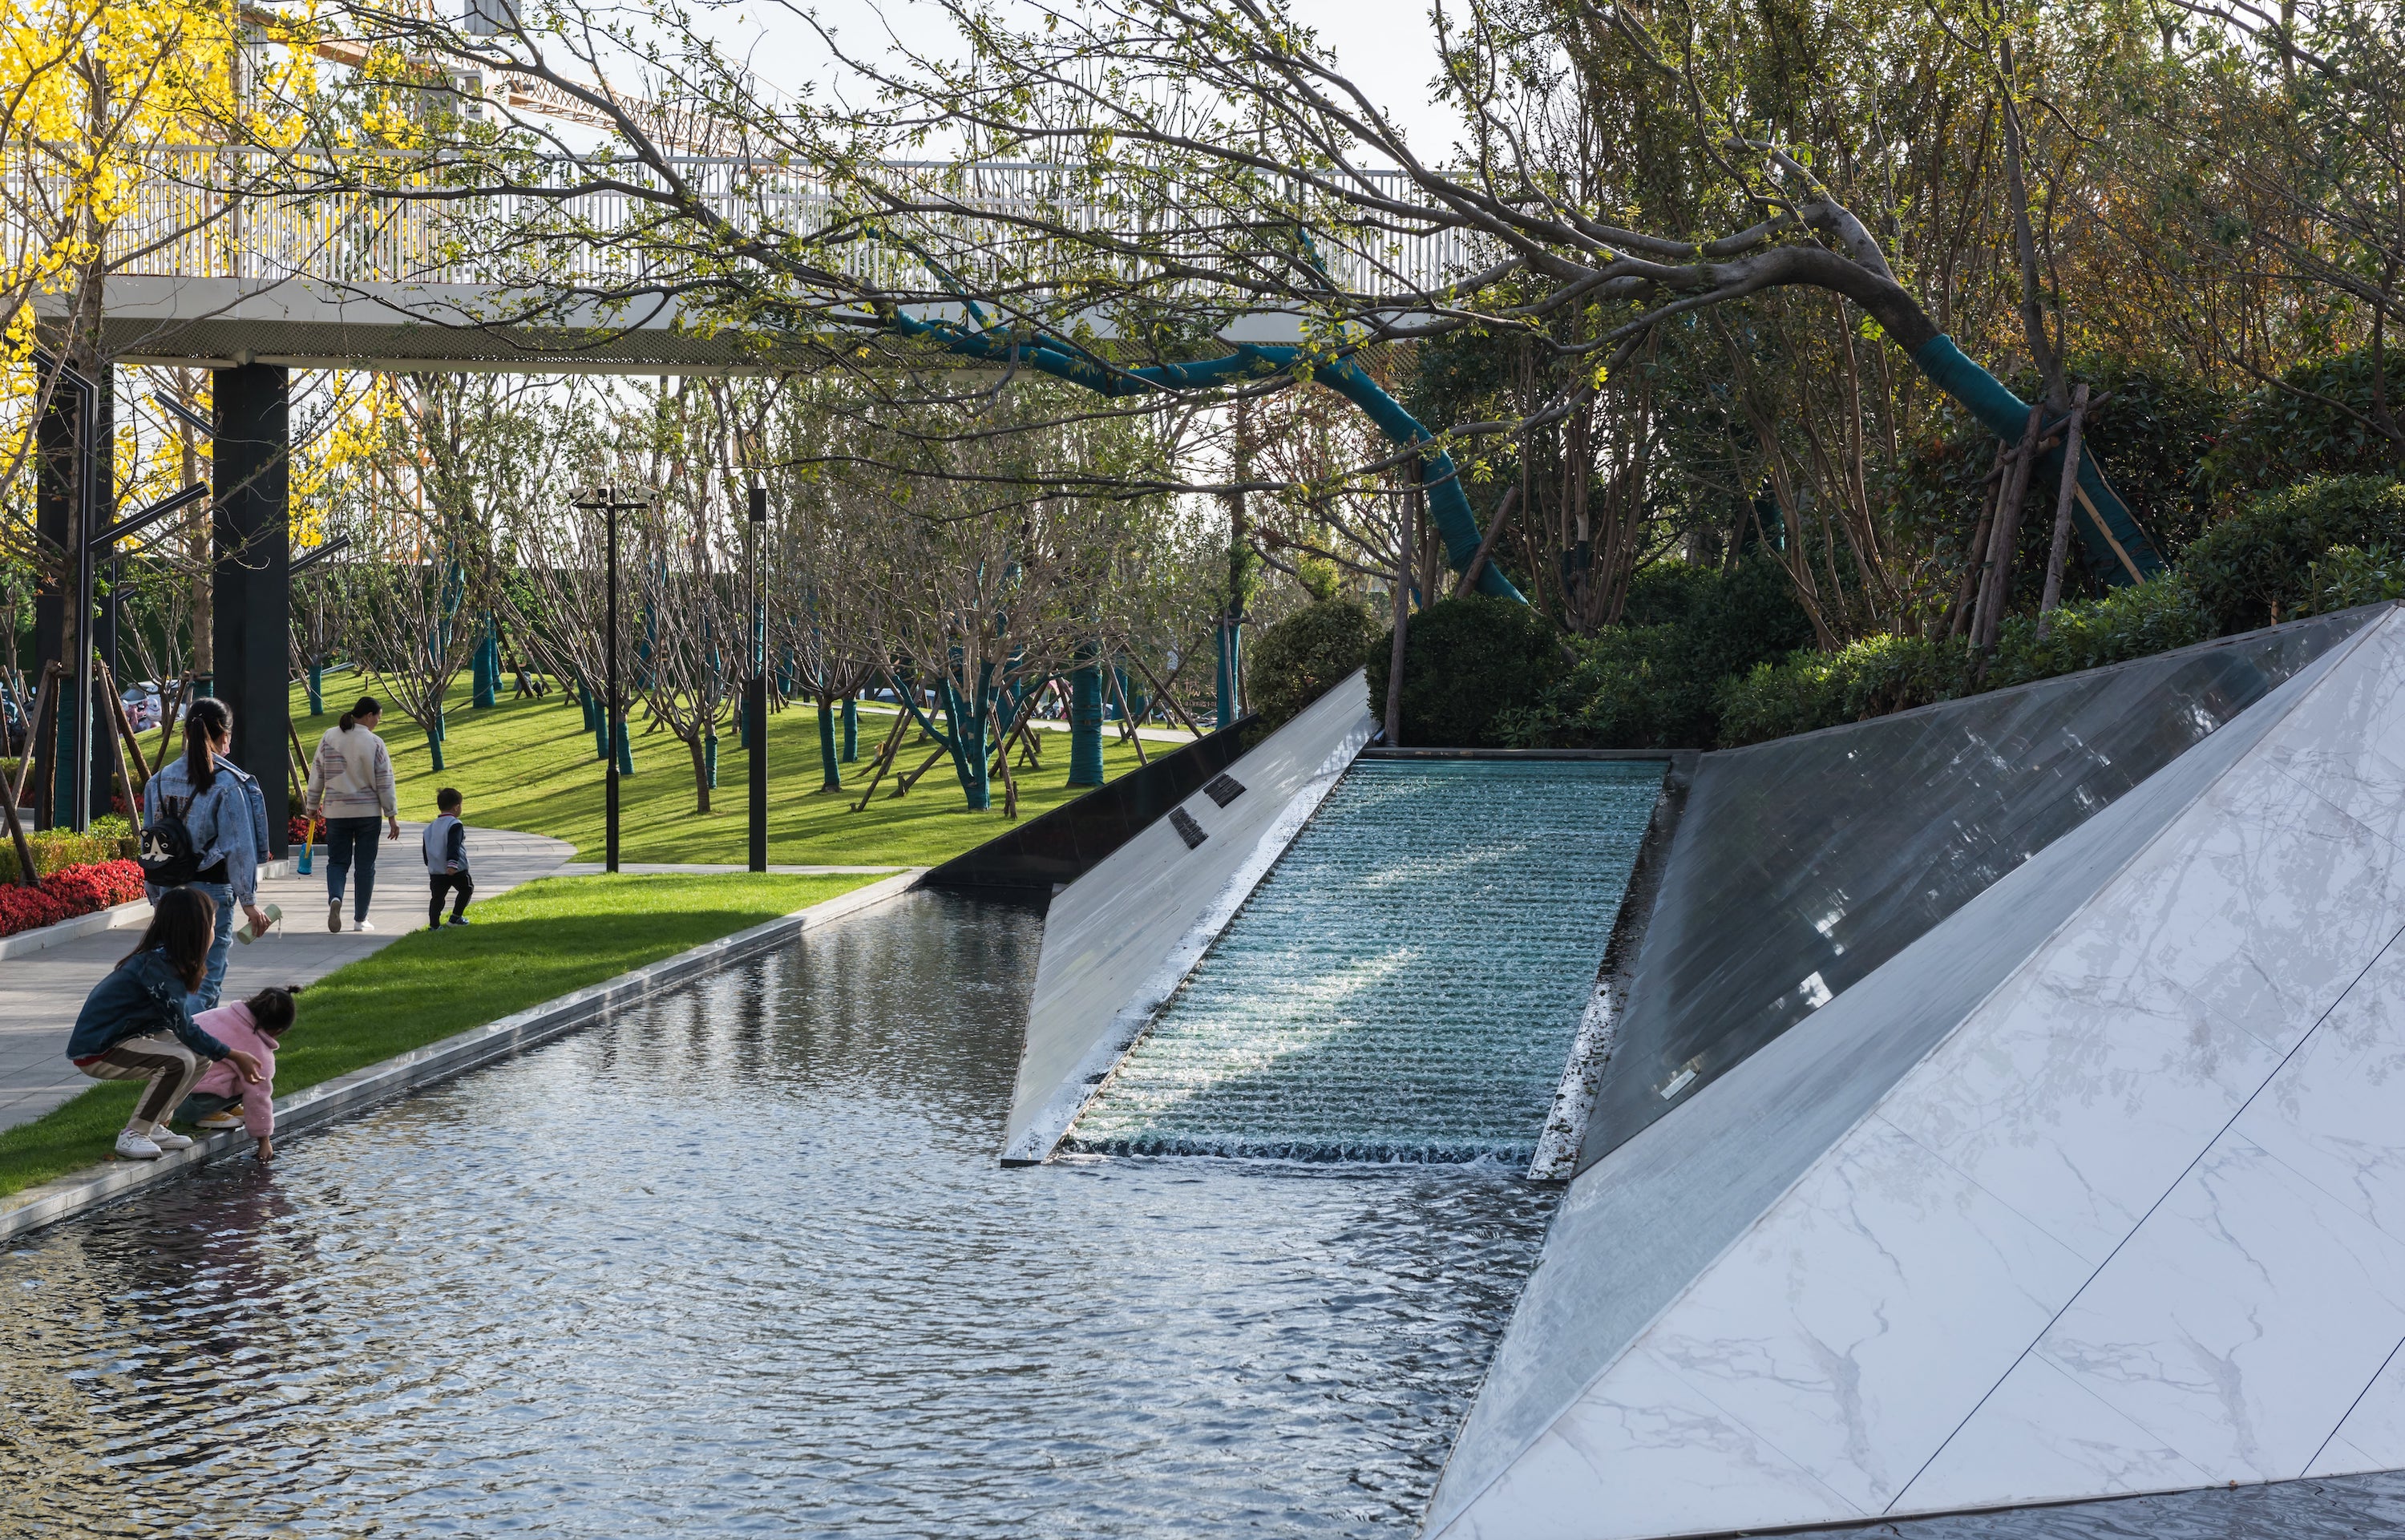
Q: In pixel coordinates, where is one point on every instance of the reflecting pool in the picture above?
(743, 1262)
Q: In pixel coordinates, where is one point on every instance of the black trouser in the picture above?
(456, 882)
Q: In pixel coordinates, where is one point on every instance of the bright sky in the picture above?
(1386, 46)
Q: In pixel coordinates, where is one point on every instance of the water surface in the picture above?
(744, 1262)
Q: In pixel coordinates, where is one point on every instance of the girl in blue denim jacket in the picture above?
(226, 814)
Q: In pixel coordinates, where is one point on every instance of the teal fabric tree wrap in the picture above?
(2117, 550)
(1448, 504)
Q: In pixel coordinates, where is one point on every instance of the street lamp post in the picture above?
(755, 693)
(612, 716)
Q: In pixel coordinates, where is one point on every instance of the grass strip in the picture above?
(529, 765)
(525, 946)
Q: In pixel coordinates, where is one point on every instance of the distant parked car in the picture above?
(143, 702)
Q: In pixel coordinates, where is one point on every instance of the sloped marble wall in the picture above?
(2124, 1214)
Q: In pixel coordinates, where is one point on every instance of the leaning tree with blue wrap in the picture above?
(1160, 200)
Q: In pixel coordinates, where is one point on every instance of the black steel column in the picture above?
(610, 711)
(755, 694)
(250, 482)
(53, 526)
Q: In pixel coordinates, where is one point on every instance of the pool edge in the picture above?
(319, 1105)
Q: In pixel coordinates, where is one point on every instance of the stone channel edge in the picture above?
(319, 1105)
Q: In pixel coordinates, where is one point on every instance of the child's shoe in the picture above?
(167, 1138)
(229, 1117)
(132, 1145)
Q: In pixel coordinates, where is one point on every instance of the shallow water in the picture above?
(745, 1263)
(1406, 983)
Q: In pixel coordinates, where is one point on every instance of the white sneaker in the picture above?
(334, 914)
(132, 1145)
(167, 1138)
(362, 924)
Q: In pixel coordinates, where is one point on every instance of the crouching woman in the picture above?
(136, 1024)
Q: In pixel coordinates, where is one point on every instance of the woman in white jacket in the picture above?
(350, 782)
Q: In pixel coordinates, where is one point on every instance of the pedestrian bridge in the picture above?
(213, 269)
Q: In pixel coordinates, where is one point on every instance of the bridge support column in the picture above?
(250, 481)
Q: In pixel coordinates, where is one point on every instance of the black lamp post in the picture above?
(755, 693)
(612, 725)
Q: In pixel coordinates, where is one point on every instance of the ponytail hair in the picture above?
(271, 1008)
(368, 706)
(206, 721)
(183, 925)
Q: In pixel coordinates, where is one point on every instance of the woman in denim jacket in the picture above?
(226, 814)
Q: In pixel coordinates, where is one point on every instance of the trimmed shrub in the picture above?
(1295, 662)
(2255, 566)
(1465, 662)
(55, 850)
(1651, 683)
(2127, 623)
(1880, 674)
(2350, 575)
(1872, 677)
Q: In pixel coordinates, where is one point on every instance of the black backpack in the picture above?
(168, 858)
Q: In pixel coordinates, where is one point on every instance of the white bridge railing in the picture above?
(215, 212)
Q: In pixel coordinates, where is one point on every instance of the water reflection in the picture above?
(746, 1264)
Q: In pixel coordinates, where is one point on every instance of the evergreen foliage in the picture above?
(2255, 566)
(1467, 663)
(1300, 658)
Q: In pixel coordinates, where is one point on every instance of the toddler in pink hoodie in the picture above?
(256, 1025)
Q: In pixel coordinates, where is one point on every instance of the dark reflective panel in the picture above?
(744, 1263)
(1802, 865)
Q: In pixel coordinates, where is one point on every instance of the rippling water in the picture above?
(745, 1263)
(1406, 982)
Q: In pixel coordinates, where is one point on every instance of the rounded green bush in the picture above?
(1465, 662)
(1295, 662)
(2255, 566)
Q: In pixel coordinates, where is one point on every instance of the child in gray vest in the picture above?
(446, 861)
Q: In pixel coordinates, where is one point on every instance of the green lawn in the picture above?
(529, 765)
(530, 944)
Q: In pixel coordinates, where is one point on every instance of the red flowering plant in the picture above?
(67, 893)
(303, 831)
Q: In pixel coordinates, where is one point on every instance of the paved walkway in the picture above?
(665, 869)
(40, 993)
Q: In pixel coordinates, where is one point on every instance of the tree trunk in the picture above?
(829, 763)
(700, 773)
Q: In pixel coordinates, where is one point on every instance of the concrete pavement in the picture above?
(40, 993)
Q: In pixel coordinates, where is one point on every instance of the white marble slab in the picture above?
(2241, 1320)
(2083, 1088)
(1645, 1453)
(1873, 1305)
(2372, 1435)
(2040, 1438)
(2336, 1110)
(2277, 899)
(2349, 738)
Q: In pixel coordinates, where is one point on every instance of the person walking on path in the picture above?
(137, 1023)
(350, 782)
(445, 843)
(224, 817)
(222, 1098)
